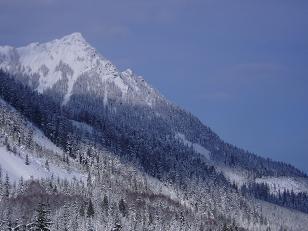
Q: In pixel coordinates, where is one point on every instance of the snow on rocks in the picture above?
(43, 59)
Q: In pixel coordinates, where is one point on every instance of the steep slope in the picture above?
(73, 74)
(62, 183)
(30, 155)
(83, 107)
(67, 65)
(110, 176)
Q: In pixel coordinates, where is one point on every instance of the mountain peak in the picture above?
(70, 64)
(73, 38)
(62, 60)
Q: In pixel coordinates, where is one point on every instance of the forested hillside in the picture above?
(86, 147)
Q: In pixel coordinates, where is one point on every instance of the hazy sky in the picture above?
(241, 66)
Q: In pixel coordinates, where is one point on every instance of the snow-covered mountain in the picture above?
(68, 65)
(106, 132)
(69, 69)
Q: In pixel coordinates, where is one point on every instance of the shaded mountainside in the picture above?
(114, 135)
(107, 192)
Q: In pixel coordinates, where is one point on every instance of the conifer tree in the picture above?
(7, 186)
(27, 162)
(122, 207)
(90, 210)
(42, 222)
(105, 204)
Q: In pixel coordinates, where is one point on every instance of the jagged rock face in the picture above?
(70, 65)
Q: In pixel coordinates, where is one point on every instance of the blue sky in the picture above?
(241, 66)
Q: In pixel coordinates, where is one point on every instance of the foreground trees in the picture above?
(42, 221)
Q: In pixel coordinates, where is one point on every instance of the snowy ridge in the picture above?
(64, 61)
(72, 50)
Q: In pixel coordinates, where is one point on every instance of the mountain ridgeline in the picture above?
(65, 82)
(119, 105)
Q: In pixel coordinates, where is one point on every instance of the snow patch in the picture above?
(233, 175)
(197, 147)
(277, 184)
(15, 167)
(43, 141)
(82, 126)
